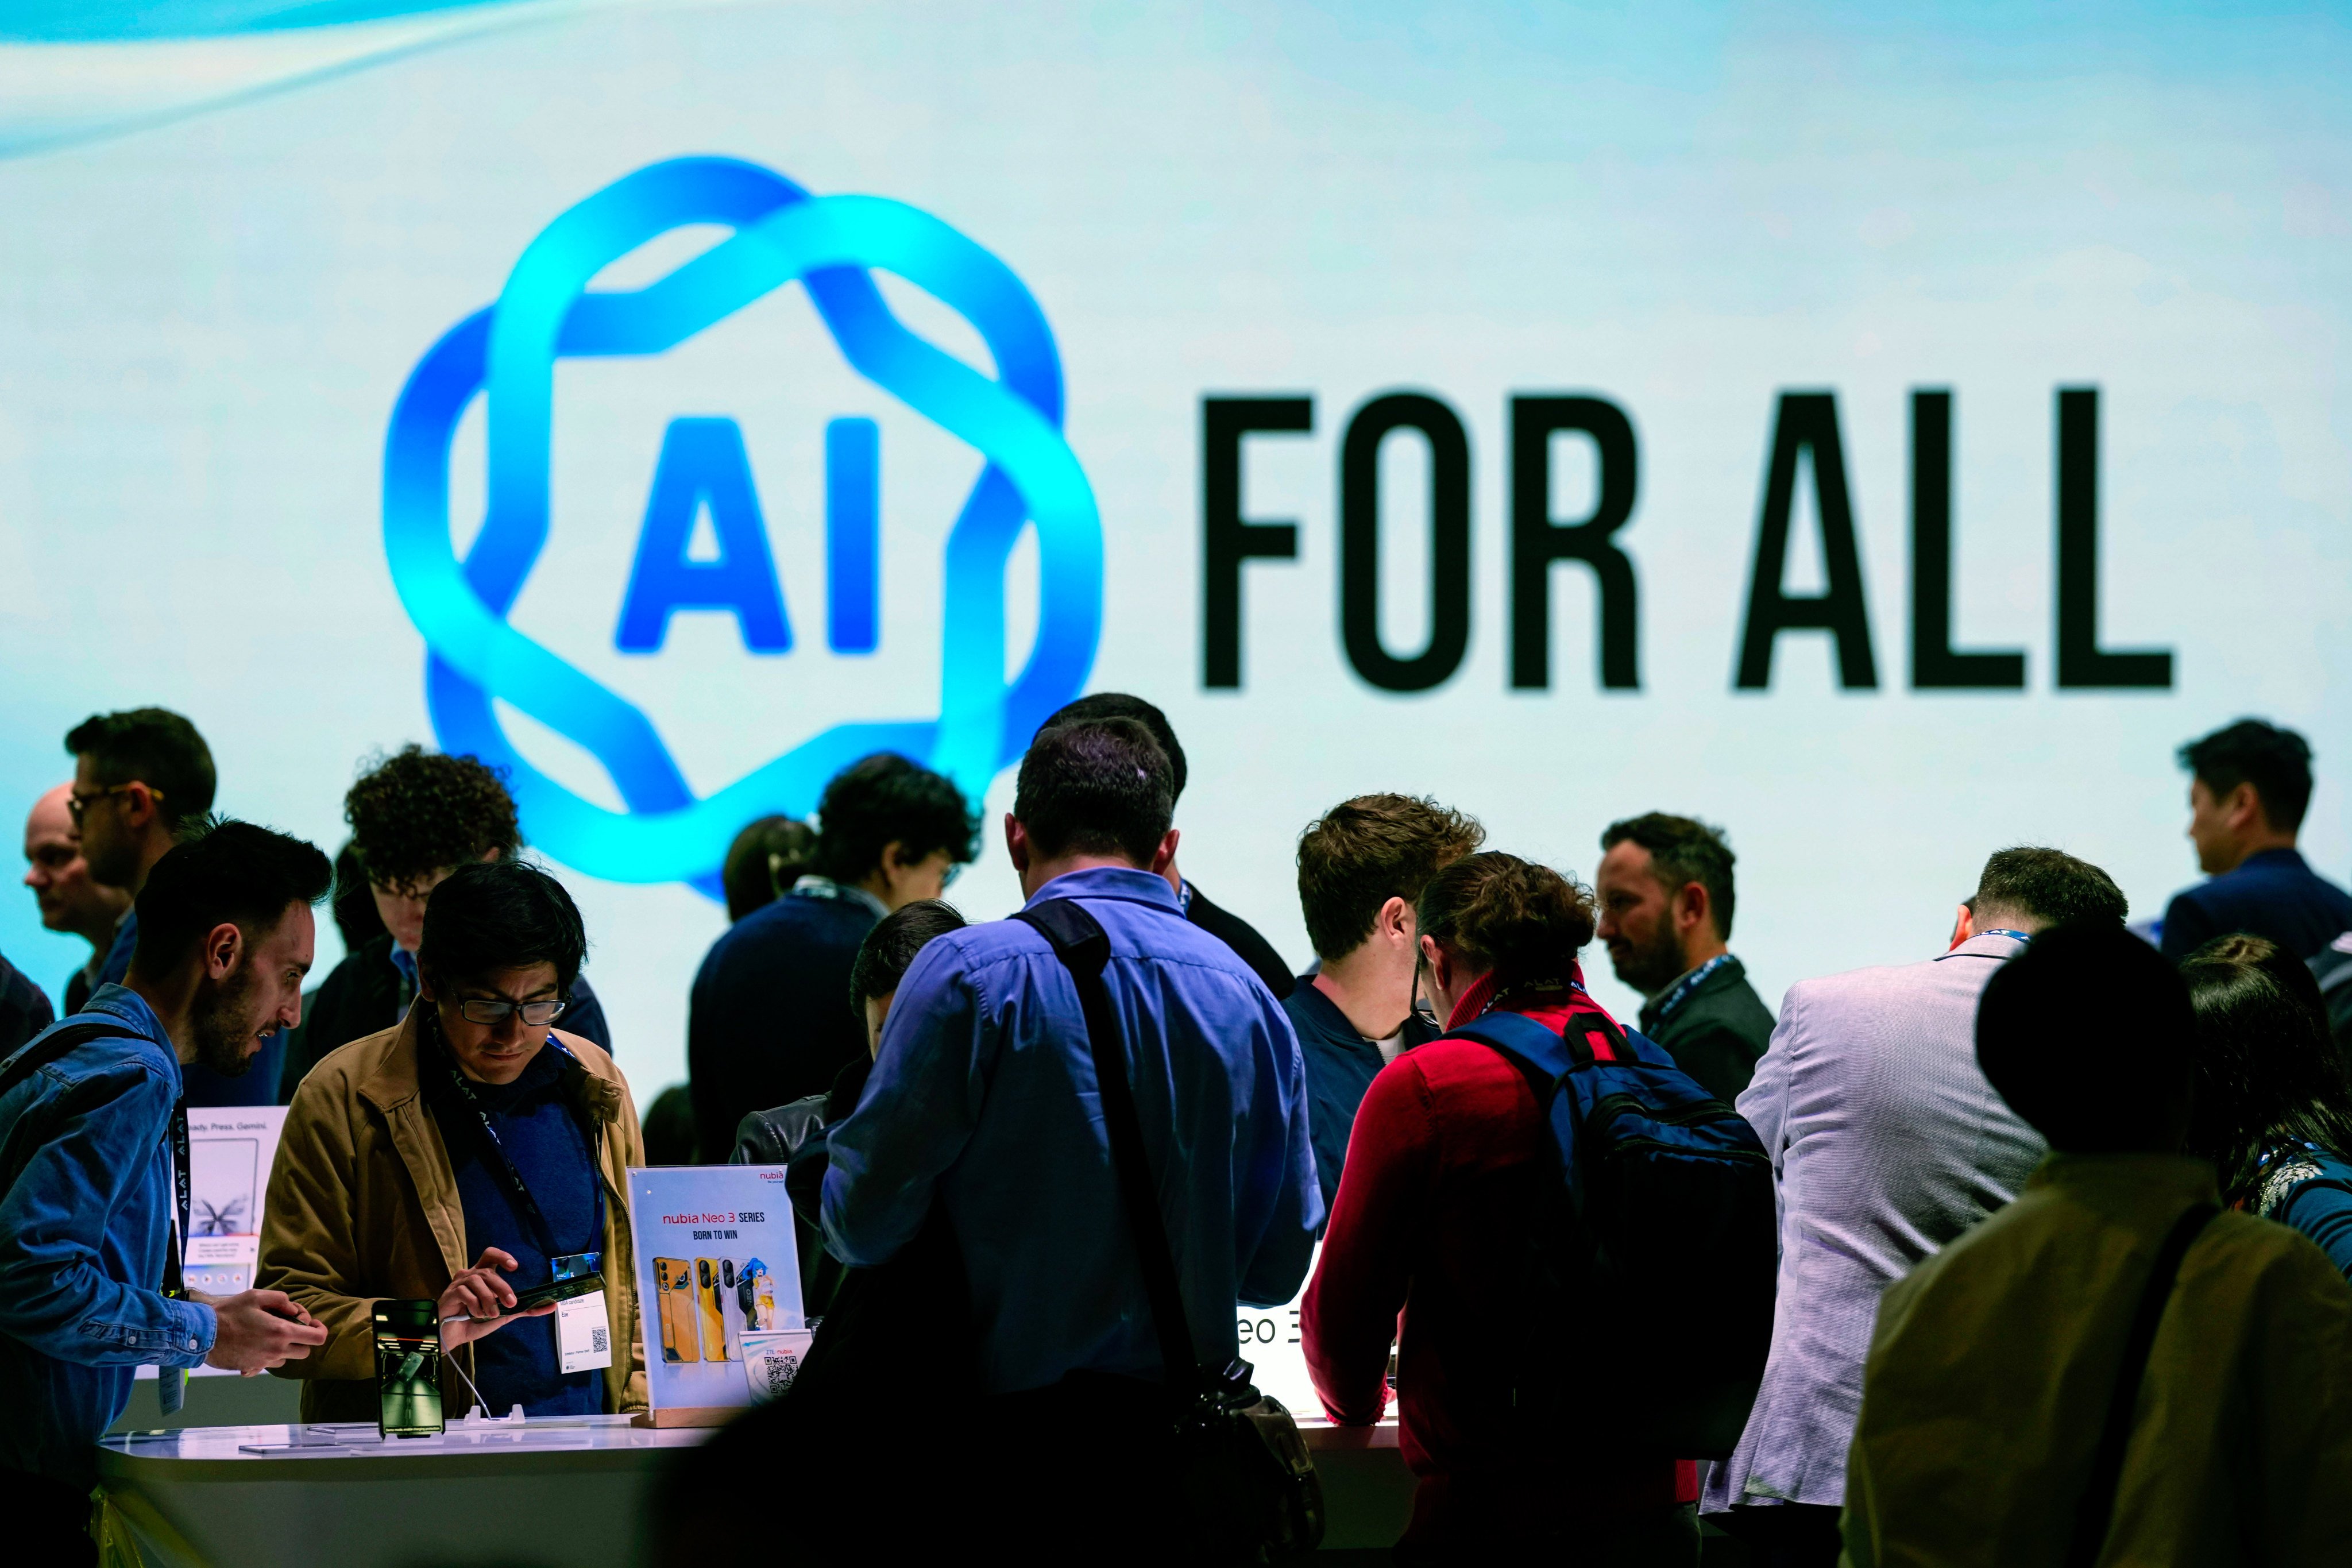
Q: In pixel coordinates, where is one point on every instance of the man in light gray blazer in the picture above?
(1886, 1143)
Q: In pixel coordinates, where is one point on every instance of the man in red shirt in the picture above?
(1443, 1187)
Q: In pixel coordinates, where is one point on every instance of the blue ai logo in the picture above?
(780, 234)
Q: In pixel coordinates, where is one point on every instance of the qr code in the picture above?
(781, 1369)
(597, 1343)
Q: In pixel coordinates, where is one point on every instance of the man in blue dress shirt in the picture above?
(983, 1101)
(2248, 786)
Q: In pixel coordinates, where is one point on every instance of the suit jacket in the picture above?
(1887, 1143)
(2273, 893)
(1718, 1033)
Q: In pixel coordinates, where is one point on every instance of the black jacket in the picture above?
(24, 1008)
(1718, 1033)
(365, 993)
(1241, 937)
(769, 1019)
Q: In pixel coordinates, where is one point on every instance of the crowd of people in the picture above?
(2033, 1251)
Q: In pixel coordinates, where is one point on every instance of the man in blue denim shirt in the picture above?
(983, 1100)
(87, 1212)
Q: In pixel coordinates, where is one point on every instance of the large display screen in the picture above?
(1885, 434)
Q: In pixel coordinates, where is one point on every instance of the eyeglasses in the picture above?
(1420, 1006)
(77, 803)
(498, 1010)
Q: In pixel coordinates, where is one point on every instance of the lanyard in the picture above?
(1682, 990)
(2016, 936)
(519, 1190)
(174, 1276)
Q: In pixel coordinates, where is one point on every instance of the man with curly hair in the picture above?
(416, 817)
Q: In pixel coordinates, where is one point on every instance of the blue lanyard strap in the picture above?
(1681, 992)
(2016, 936)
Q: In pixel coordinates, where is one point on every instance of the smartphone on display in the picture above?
(713, 1316)
(556, 1290)
(407, 1369)
(673, 1278)
(731, 1307)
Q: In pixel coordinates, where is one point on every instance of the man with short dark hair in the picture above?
(1221, 923)
(472, 1128)
(1361, 866)
(1664, 890)
(415, 817)
(143, 779)
(71, 899)
(1886, 1143)
(983, 1100)
(2248, 786)
(92, 1124)
(765, 1022)
(1999, 1366)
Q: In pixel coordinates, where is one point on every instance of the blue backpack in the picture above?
(1649, 1281)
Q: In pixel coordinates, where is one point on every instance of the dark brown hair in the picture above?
(2269, 1079)
(1683, 850)
(1523, 920)
(417, 813)
(1363, 852)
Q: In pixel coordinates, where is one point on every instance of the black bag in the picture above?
(1245, 1483)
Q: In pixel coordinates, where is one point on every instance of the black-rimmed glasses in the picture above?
(495, 1010)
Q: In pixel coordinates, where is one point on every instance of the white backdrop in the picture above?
(205, 321)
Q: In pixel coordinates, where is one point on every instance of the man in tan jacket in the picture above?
(472, 1130)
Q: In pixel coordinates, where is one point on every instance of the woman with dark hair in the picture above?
(1447, 1177)
(475, 1131)
(2274, 1107)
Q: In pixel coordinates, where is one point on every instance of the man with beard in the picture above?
(72, 899)
(93, 1125)
(1664, 892)
(141, 779)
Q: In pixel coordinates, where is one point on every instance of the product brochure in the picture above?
(718, 1284)
(230, 1151)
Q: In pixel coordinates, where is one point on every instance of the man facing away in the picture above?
(416, 817)
(1361, 867)
(1886, 1143)
(71, 899)
(768, 1020)
(1221, 923)
(1665, 895)
(88, 1225)
(1997, 1362)
(2248, 786)
(983, 1101)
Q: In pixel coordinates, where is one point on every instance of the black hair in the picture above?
(2269, 1079)
(500, 914)
(1120, 705)
(2276, 762)
(1101, 786)
(417, 813)
(889, 949)
(764, 861)
(152, 746)
(2048, 887)
(884, 799)
(223, 872)
(2088, 1034)
(1683, 850)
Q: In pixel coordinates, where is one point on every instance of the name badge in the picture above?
(583, 1328)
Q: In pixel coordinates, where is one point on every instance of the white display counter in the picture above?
(292, 1497)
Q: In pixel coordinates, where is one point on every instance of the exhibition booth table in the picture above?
(562, 1488)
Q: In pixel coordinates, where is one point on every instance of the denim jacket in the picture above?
(84, 1229)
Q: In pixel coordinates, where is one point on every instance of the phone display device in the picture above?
(407, 1369)
(712, 1315)
(555, 1291)
(673, 1279)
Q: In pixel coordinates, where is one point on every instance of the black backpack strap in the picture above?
(1084, 948)
(2094, 1514)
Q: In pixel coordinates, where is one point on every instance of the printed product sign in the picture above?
(230, 1151)
(719, 1284)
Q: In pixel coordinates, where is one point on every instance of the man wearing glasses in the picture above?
(472, 1152)
(138, 778)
